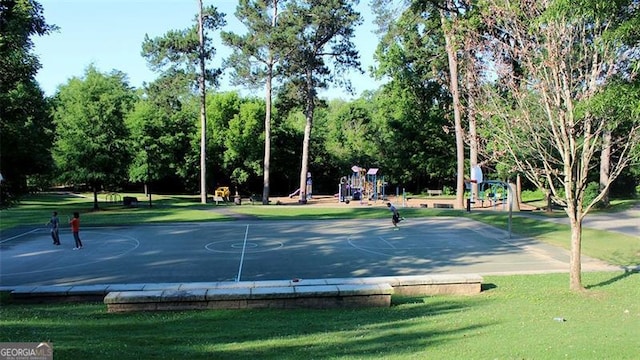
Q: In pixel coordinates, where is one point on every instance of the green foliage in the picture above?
(591, 192)
(221, 109)
(412, 107)
(178, 51)
(350, 135)
(243, 155)
(163, 127)
(26, 130)
(92, 144)
(560, 123)
(258, 51)
(321, 52)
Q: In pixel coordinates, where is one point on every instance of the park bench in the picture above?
(255, 199)
(130, 201)
(442, 206)
(434, 192)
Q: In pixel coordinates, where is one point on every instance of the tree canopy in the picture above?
(26, 131)
(92, 144)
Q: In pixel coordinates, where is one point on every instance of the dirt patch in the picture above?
(431, 202)
(332, 201)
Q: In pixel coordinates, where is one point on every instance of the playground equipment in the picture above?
(308, 191)
(221, 194)
(491, 190)
(362, 184)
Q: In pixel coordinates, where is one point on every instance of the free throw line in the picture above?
(244, 247)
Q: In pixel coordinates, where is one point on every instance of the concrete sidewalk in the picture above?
(625, 222)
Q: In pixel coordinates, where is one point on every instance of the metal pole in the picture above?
(147, 149)
(404, 198)
(510, 207)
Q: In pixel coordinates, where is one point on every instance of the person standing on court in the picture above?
(75, 229)
(395, 219)
(54, 222)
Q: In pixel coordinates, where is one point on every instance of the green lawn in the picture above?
(35, 210)
(513, 318)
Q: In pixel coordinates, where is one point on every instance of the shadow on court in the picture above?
(274, 250)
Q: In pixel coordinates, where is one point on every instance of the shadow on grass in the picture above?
(614, 279)
(244, 334)
(487, 287)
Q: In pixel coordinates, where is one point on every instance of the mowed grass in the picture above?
(513, 318)
(612, 247)
(35, 210)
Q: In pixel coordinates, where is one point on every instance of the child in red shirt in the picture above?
(75, 229)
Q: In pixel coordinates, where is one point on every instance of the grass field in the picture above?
(513, 318)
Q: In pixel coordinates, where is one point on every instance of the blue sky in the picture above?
(109, 34)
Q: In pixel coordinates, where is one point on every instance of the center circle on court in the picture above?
(242, 245)
(235, 247)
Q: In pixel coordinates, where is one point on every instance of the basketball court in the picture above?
(273, 250)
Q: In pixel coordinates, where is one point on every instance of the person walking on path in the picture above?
(54, 222)
(395, 219)
(75, 229)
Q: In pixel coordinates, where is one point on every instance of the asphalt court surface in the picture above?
(274, 250)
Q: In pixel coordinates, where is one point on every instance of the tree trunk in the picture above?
(455, 93)
(519, 189)
(605, 166)
(473, 146)
(304, 168)
(470, 85)
(95, 198)
(267, 137)
(575, 265)
(267, 117)
(203, 113)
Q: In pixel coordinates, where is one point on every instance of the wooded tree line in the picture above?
(543, 89)
(157, 139)
(109, 135)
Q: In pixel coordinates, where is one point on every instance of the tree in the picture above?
(449, 17)
(242, 156)
(570, 53)
(324, 31)
(414, 103)
(222, 109)
(443, 26)
(162, 130)
(187, 51)
(350, 134)
(92, 145)
(255, 57)
(26, 130)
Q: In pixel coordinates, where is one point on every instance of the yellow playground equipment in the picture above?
(222, 192)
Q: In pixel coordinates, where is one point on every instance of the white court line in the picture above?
(386, 242)
(19, 235)
(244, 247)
